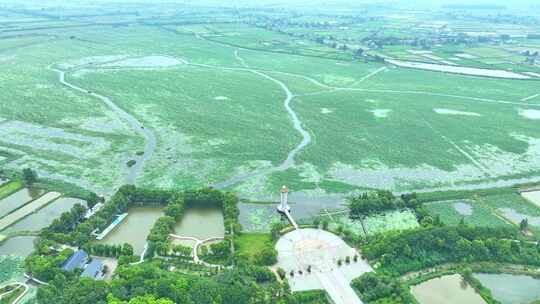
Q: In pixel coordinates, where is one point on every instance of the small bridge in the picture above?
(290, 218)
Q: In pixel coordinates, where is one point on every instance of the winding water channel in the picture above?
(150, 145)
(290, 160)
(136, 125)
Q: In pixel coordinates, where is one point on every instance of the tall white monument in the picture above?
(284, 205)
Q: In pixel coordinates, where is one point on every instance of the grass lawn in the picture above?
(10, 188)
(247, 245)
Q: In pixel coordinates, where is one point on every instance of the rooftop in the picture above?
(93, 270)
(76, 260)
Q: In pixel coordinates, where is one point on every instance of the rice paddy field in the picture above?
(101, 100)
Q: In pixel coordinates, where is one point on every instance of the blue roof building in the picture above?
(93, 270)
(76, 260)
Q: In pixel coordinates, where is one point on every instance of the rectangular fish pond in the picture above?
(17, 200)
(134, 228)
(449, 289)
(201, 223)
(510, 288)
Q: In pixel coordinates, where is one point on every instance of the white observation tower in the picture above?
(284, 205)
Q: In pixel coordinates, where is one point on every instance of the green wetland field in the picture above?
(218, 97)
(144, 145)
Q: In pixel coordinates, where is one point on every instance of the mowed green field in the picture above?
(215, 102)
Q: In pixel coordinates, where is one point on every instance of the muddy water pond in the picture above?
(134, 228)
(44, 216)
(511, 289)
(17, 200)
(18, 246)
(446, 290)
(200, 223)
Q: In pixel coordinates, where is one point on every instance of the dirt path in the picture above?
(28, 209)
(530, 97)
(474, 161)
(369, 76)
(426, 93)
(137, 126)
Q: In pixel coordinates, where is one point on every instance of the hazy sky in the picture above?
(284, 3)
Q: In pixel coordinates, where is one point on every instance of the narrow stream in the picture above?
(150, 137)
(137, 126)
(290, 160)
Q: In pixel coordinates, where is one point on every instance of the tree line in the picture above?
(150, 283)
(413, 250)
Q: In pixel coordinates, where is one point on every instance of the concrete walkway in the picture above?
(116, 222)
(291, 219)
(338, 288)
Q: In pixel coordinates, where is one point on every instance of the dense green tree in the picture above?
(367, 203)
(29, 176)
(422, 248)
(267, 256)
(147, 299)
(524, 224)
(127, 249)
(373, 287)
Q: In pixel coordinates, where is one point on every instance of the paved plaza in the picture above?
(320, 250)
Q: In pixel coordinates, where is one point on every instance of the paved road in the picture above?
(338, 288)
